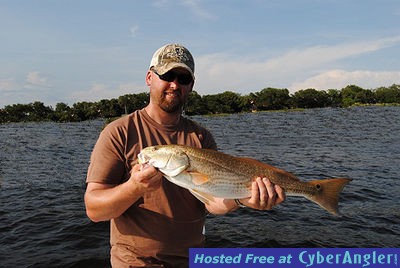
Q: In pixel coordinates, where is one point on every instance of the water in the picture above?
(43, 168)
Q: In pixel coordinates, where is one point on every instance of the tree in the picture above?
(388, 95)
(84, 111)
(248, 103)
(108, 108)
(63, 113)
(195, 104)
(3, 116)
(272, 99)
(226, 102)
(310, 98)
(353, 94)
(335, 98)
(40, 112)
(232, 102)
(349, 94)
(18, 112)
(133, 102)
(212, 104)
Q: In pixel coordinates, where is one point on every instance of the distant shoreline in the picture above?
(228, 102)
(109, 120)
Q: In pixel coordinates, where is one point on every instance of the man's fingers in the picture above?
(263, 192)
(255, 194)
(281, 195)
(146, 176)
(271, 194)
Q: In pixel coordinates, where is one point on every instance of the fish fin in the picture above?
(328, 193)
(203, 197)
(268, 167)
(199, 178)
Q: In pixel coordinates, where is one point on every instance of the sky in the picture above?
(69, 51)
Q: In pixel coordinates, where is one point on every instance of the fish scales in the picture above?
(209, 173)
(243, 172)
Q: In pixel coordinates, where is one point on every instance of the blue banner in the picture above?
(294, 257)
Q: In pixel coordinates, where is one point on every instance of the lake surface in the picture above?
(43, 168)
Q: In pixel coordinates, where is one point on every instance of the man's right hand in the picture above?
(145, 177)
(107, 201)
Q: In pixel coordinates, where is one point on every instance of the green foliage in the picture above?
(271, 99)
(85, 111)
(310, 98)
(354, 94)
(335, 97)
(388, 95)
(35, 111)
(195, 104)
(63, 113)
(226, 102)
(133, 102)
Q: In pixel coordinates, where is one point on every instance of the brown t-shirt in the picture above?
(162, 225)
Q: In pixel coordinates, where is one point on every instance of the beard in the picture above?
(171, 105)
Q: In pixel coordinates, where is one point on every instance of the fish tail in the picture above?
(327, 194)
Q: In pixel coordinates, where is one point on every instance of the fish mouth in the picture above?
(143, 159)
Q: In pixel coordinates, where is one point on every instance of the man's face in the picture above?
(170, 91)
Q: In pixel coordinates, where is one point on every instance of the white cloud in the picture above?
(232, 72)
(33, 87)
(7, 84)
(94, 93)
(338, 79)
(35, 79)
(322, 54)
(100, 91)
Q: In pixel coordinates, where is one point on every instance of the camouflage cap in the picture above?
(172, 56)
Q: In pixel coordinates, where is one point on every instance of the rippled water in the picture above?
(43, 168)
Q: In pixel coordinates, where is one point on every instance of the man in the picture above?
(153, 221)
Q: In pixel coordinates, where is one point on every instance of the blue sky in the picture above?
(69, 51)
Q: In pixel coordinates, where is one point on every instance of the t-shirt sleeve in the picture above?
(107, 162)
(204, 135)
(208, 141)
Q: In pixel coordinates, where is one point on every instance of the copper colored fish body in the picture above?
(209, 173)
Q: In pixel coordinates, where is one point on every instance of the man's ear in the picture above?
(148, 77)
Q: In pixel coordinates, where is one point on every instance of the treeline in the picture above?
(226, 102)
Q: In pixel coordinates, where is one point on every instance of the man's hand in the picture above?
(264, 195)
(108, 201)
(145, 178)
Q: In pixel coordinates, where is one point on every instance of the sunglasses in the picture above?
(170, 76)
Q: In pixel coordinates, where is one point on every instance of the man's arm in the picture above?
(107, 201)
(264, 196)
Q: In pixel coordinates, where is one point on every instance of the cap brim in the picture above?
(163, 69)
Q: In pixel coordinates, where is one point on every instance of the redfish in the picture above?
(208, 173)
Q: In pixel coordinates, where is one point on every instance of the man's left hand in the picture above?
(264, 195)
